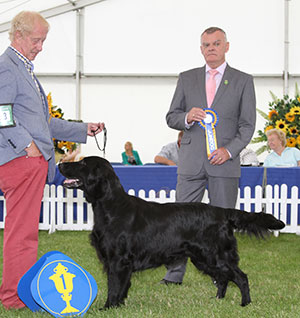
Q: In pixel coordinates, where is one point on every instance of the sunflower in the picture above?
(293, 130)
(62, 144)
(290, 117)
(54, 111)
(49, 100)
(69, 145)
(295, 110)
(281, 124)
(56, 114)
(283, 114)
(272, 113)
(291, 142)
(269, 128)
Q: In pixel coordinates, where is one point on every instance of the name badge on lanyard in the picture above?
(208, 124)
(6, 116)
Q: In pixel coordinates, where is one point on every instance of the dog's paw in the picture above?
(245, 303)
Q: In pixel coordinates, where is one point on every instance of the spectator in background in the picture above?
(169, 153)
(130, 156)
(248, 158)
(281, 156)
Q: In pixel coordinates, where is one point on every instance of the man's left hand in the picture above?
(219, 156)
(95, 128)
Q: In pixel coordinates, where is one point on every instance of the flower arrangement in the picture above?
(60, 146)
(284, 114)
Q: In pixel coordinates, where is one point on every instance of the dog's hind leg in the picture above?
(226, 273)
(118, 286)
(219, 280)
(241, 280)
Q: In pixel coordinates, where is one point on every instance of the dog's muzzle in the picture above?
(72, 183)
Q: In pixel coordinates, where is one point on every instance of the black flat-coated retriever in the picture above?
(131, 234)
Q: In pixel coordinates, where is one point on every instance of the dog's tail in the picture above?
(258, 224)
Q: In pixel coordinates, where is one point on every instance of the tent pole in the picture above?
(286, 48)
(79, 59)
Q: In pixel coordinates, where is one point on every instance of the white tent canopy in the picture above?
(117, 61)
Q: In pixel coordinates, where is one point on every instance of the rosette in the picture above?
(208, 124)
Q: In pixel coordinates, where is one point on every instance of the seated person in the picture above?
(248, 158)
(130, 156)
(281, 155)
(169, 153)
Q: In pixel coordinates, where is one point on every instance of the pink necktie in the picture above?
(211, 87)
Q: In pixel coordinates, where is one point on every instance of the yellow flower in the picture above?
(295, 110)
(55, 111)
(66, 144)
(291, 142)
(62, 144)
(281, 124)
(49, 100)
(69, 145)
(293, 130)
(272, 113)
(298, 99)
(290, 117)
(56, 114)
(269, 127)
(298, 140)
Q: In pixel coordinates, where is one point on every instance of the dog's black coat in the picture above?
(131, 234)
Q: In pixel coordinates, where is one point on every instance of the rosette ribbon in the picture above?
(208, 124)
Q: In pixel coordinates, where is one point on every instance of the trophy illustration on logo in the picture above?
(64, 285)
(54, 282)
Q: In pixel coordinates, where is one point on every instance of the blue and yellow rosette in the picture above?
(208, 124)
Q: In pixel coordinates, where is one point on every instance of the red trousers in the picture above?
(22, 181)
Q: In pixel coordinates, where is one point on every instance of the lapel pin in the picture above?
(226, 82)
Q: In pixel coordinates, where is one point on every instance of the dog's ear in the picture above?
(97, 185)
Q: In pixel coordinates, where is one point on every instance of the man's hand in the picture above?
(95, 128)
(195, 114)
(33, 150)
(219, 156)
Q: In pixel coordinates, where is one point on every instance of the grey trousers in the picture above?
(222, 192)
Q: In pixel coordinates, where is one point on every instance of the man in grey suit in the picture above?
(233, 106)
(26, 148)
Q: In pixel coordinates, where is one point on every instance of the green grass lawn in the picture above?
(272, 266)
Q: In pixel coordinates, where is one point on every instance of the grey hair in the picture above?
(279, 133)
(211, 30)
(24, 22)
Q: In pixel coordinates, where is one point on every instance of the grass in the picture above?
(272, 266)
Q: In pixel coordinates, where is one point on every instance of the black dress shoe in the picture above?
(168, 282)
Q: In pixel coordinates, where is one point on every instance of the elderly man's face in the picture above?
(214, 47)
(30, 44)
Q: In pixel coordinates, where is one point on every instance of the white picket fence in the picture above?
(62, 210)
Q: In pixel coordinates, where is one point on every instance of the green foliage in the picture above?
(272, 266)
(284, 114)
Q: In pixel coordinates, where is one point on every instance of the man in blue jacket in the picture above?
(26, 148)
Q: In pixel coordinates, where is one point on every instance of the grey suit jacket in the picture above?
(31, 115)
(236, 106)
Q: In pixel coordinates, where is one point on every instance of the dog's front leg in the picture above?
(118, 285)
(222, 287)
